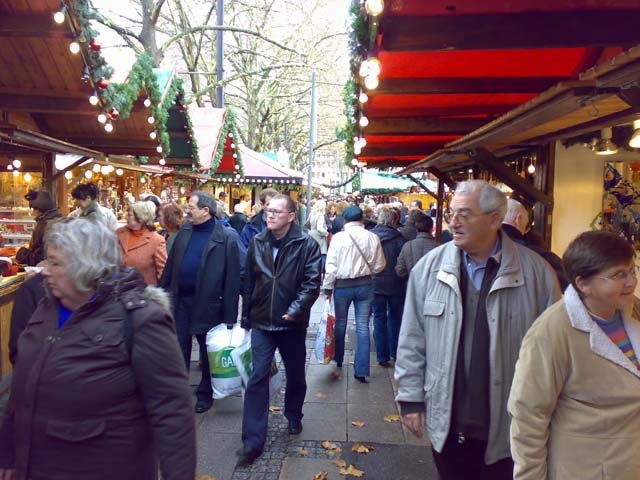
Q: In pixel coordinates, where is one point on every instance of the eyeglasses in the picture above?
(622, 276)
(274, 213)
(463, 215)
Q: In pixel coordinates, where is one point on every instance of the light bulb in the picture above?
(153, 135)
(159, 149)
(68, 175)
(15, 173)
(230, 135)
(27, 177)
(88, 174)
(233, 145)
(363, 98)
(374, 7)
(108, 127)
(147, 102)
(58, 17)
(151, 119)
(371, 82)
(93, 99)
(162, 161)
(104, 170)
(357, 149)
(354, 162)
(9, 167)
(74, 47)
(119, 172)
(531, 168)
(96, 168)
(16, 163)
(102, 118)
(364, 121)
(143, 180)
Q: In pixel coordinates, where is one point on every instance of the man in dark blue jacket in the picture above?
(282, 282)
(258, 222)
(388, 288)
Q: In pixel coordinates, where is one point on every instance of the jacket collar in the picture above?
(599, 342)
(295, 233)
(257, 220)
(123, 237)
(216, 236)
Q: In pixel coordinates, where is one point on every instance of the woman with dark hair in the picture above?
(171, 218)
(575, 397)
(85, 196)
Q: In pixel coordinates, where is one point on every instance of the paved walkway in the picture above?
(334, 400)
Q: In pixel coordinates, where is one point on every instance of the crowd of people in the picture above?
(508, 377)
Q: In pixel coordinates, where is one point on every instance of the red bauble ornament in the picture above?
(102, 83)
(114, 113)
(183, 107)
(95, 45)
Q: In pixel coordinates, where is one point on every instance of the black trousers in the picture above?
(465, 461)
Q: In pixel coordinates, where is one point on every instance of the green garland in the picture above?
(357, 182)
(84, 13)
(228, 126)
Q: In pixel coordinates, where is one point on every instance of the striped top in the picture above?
(614, 328)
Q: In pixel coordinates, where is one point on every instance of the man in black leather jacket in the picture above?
(282, 282)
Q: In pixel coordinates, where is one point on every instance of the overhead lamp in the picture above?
(371, 82)
(634, 141)
(606, 146)
(59, 16)
(374, 7)
(363, 97)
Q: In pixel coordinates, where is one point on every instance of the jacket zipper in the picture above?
(273, 285)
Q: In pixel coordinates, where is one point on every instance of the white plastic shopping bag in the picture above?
(225, 377)
(242, 359)
(325, 340)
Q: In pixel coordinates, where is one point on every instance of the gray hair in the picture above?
(514, 208)
(91, 248)
(205, 199)
(145, 213)
(386, 214)
(491, 198)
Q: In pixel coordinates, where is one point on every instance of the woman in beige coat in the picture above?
(141, 246)
(575, 398)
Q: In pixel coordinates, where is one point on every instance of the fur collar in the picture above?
(599, 342)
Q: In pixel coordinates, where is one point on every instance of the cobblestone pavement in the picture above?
(334, 400)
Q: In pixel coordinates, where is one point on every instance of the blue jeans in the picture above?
(255, 414)
(361, 297)
(387, 316)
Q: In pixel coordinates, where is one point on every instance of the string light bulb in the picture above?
(59, 16)
(147, 102)
(108, 127)
(151, 119)
(159, 149)
(364, 121)
(88, 174)
(93, 99)
(68, 175)
(15, 173)
(371, 82)
(96, 168)
(363, 98)
(153, 135)
(16, 163)
(119, 172)
(374, 7)
(162, 161)
(74, 47)
(102, 118)
(27, 177)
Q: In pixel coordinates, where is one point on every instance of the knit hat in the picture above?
(352, 213)
(40, 201)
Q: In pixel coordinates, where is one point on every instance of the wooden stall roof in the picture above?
(604, 96)
(450, 68)
(39, 76)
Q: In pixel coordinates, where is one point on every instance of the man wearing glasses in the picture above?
(282, 282)
(202, 274)
(469, 304)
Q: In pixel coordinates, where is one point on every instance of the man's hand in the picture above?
(415, 423)
(288, 318)
(7, 473)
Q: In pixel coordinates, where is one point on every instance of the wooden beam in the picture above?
(422, 185)
(410, 126)
(507, 31)
(32, 26)
(456, 111)
(438, 86)
(494, 165)
(396, 152)
(442, 176)
(48, 104)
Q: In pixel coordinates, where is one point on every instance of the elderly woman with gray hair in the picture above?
(99, 388)
(142, 247)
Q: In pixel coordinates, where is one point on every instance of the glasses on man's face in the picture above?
(622, 276)
(274, 213)
(464, 215)
(192, 207)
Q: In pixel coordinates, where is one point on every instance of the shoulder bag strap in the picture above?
(360, 252)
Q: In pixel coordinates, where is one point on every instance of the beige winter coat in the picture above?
(575, 399)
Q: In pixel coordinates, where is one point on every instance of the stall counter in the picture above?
(8, 287)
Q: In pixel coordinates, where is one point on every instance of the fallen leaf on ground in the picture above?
(340, 463)
(327, 445)
(303, 452)
(357, 424)
(321, 395)
(321, 476)
(392, 418)
(351, 471)
(362, 448)
(336, 375)
(336, 451)
(273, 408)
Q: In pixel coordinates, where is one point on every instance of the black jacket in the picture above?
(218, 278)
(551, 258)
(24, 304)
(35, 253)
(238, 221)
(289, 285)
(387, 282)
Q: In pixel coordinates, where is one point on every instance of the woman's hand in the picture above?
(7, 473)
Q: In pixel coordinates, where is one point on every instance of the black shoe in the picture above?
(360, 379)
(295, 427)
(339, 364)
(246, 456)
(385, 364)
(203, 405)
